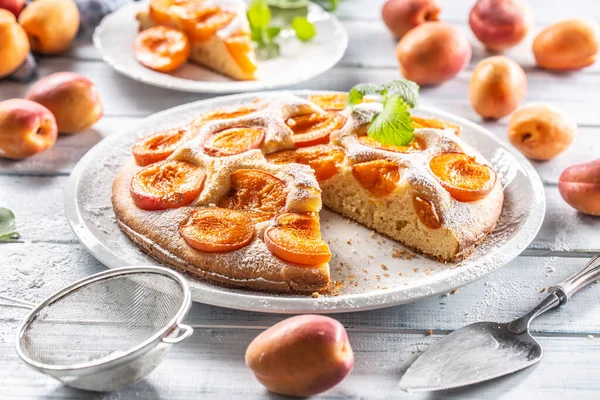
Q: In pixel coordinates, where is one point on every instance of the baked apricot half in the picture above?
(228, 113)
(463, 177)
(240, 46)
(418, 122)
(163, 12)
(157, 147)
(167, 184)
(324, 160)
(330, 102)
(315, 128)
(426, 212)
(257, 193)
(417, 144)
(206, 24)
(296, 238)
(161, 48)
(217, 230)
(378, 177)
(233, 141)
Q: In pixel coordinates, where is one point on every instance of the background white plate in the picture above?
(358, 253)
(298, 62)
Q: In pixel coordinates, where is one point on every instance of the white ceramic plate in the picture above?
(358, 253)
(298, 62)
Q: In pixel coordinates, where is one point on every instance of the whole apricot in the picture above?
(301, 356)
(432, 53)
(50, 24)
(14, 6)
(498, 85)
(567, 45)
(72, 98)
(500, 24)
(400, 16)
(26, 128)
(579, 185)
(541, 131)
(14, 45)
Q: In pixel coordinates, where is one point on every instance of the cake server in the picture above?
(488, 350)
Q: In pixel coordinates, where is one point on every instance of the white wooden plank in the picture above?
(210, 364)
(36, 270)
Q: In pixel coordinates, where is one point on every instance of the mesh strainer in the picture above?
(107, 331)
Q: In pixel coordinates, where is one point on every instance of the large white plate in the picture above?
(358, 253)
(298, 62)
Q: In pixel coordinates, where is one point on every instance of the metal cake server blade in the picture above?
(487, 350)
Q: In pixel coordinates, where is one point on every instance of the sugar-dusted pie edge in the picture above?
(252, 267)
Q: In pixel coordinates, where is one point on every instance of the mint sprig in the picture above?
(265, 35)
(8, 228)
(393, 124)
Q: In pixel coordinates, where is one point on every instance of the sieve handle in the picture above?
(187, 332)
(10, 302)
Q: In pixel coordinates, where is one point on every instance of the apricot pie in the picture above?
(217, 30)
(233, 196)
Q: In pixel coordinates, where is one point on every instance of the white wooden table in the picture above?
(211, 363)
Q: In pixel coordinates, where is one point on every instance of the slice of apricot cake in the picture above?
(233, 196)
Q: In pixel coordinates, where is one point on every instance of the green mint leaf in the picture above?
(8, 228)
(268, 51)
(259, 14)
(305, 30)
(333, 5)
(407, 90)
(272, 32)
(361, 90)
(393, 124)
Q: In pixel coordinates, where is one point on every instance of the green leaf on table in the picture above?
(393, 124)
(8, 228)
(305, 30)
(358, 92)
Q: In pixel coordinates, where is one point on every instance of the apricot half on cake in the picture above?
(233, 141)
(157, 147)
(420, 123)
(330, 102)
(314, 128)
(216, 230)
(296, 238)
(229, 113)
(259, 194)
(415, 145)
(378, 177)
(167, 184)
(462, 176)
(324, 160)
(161, 48)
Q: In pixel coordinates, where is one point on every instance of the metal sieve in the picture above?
(107, 331)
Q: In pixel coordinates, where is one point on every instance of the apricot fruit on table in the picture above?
(14, 45)
(378, 177)
(14, 6)
(567, 45)
(167, 184)
(400, 16)
(314, 128)
(72, 98)
(324, 160)
(301, 356)
(500, 24)
(158, 146)
(257, 193)
(296, 238)
(541, 131)
(432, 53)
(50, 24)
(217, 230)
(161, 48)
(26, 128)
(579, 185)
(462, 176)
(234, 140)
(498, 85)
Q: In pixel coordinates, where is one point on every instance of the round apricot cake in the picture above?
(234, 195)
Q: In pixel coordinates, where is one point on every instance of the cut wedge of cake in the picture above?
(218, 31)
(233, 196)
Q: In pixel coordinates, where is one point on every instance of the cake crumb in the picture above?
(386, 275)
(400, 274)
(364, 271)
(378, 277)
(453, 291)
(415, 270)
(315, 295)
(543, 290)
(384, 267)
(349, 241)
(429, 332)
